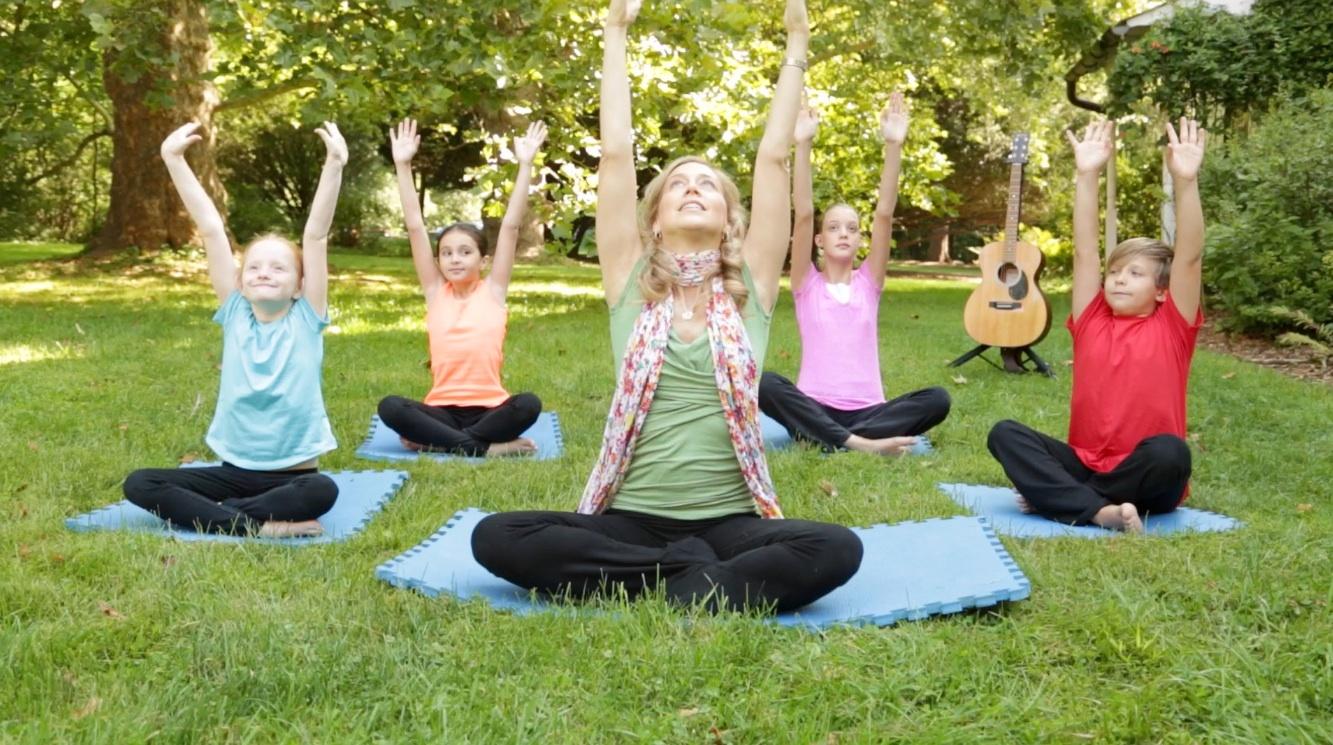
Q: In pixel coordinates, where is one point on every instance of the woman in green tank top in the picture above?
(680, 494)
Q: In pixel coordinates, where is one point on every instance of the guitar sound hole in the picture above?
(1009, 274)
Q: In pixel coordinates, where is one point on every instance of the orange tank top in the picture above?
(466, 347)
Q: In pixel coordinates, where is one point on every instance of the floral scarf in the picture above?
(734, 369)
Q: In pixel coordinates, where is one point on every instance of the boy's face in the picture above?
(1130, 287)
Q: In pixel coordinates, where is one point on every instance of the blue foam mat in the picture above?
(776, 437)
(361, 494)
(999, 505)
(382, 443)
(910, 571)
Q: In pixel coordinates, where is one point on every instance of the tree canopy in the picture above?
(473, 72)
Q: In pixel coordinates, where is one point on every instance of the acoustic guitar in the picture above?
(1007, 309)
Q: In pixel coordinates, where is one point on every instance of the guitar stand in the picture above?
(1012, 358)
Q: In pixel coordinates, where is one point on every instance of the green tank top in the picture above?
(684, 465)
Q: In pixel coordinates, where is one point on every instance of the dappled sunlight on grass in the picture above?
(14, 354)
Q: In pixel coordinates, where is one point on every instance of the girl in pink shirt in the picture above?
(838, 399)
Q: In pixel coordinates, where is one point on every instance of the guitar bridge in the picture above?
(1000, 305)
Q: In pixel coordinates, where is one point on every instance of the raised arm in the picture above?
(803, 196)
(618, 243)
(1090, 155)
(893, 128)
(404, 142)
(315, 238)
(207, 220)
(770, 220)
(1184, 157)
(502, 265)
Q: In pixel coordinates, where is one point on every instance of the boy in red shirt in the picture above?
(1133, 341)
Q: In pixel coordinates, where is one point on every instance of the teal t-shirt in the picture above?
(684, 464)
(270, 411)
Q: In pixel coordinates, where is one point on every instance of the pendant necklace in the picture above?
(687, 312)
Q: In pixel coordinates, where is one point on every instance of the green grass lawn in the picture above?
(20, 253)
(124, 638)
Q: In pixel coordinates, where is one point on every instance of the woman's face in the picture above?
(692, 201)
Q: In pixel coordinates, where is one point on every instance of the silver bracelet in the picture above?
(793, 62)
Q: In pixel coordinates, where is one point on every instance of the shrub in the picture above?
(1269, 201)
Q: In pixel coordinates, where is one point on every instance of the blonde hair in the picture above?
(659, 276)
(1149, 248)
(274, 237)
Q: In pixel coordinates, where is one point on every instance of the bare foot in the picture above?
(413, 446)
(521, 446)
(1119, 517)
(1024, 506)
(286, 529)
(884, 446)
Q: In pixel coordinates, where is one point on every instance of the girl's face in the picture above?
(269, 273)
(460, 257)
(840, 235)
(692, 201)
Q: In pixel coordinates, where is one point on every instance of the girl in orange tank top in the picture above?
(467, 411)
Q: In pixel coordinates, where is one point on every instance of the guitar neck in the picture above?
(1015, 204)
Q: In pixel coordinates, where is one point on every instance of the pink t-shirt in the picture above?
(840, 341)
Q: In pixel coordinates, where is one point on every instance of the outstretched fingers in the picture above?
(334, 143)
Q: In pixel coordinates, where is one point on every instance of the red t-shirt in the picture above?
(1130, 377)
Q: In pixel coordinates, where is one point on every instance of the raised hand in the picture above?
(180, 140)
(404, 141)
(807, 123)
(1094, 150)
(795, 18)
(893, 120)
(623, 12)
(1184, 149)
(526, 147)
(334, 144)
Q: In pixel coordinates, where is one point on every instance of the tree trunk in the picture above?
(145, 212)
(939, 244)
(531, 237)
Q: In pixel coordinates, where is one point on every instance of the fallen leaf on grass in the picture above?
(168, 561)
(828, 488)
(78, 328)
(189, 458)
(960, 380)
(110, 612)
(687, 712)
(832, 739)
(1304, 507)
(91, 707)
(123, 427)
(24, 550)
(1228, 376)
(717, 734)
(33, 446)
